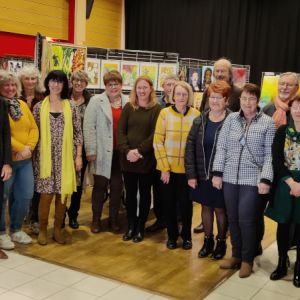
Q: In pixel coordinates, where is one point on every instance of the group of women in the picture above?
(222, 159)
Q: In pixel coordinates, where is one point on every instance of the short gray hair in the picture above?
(170, 77)
(293, 74)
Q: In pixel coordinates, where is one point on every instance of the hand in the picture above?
(26, 153)
(192, 183)
(91, 157)
(6, 172)
(217, 182)
(133, 155)
(263, 188)
(295, 188)
(165, 177)
(78, 163)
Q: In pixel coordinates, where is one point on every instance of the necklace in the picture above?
(116, 104)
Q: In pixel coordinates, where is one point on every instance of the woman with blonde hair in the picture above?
(135, 139)
(24, 137)
(32, 92)
(171, 132)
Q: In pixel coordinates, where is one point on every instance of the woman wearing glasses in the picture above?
(59, 152)
(243, 168)
(79, 96)
(100, 125)
(285, 205)
(199, 157)
(171, 132)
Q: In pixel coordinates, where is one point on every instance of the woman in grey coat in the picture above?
(100, 124)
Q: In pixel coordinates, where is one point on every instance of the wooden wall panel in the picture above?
(103, 28)
(50, 18)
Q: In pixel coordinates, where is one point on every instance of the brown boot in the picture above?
(44, 209)
(60, 209)
(231, 263)
(246, 269)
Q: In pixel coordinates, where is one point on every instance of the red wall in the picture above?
(12, 44)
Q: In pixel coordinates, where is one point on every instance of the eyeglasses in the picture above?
(56, 81)
(249, 99)
(79, 81)
(181, 94)
(215, 98)
(287, 84)
(112, 85)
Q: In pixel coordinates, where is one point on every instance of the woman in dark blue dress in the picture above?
(199, 156)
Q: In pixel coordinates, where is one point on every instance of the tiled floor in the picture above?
(24, 278)
(258, 286)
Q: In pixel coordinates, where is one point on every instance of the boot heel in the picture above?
(296, 279)
(282, 267)
(220, 249)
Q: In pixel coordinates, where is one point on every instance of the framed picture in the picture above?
(164, 70)
(106, 66)
(197, 100)
(14, 66)
(239, 76)
(207, 76)
(93, 70)
(150, 70)
(268, 89)
(195, 78)
(65, 57)
(129, 72)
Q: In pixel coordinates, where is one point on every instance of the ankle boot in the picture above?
(44, 209)
(60, 209)
(139, 235)
(296, 280)
(282, 267)
(246, 269)
(207, 247)
(220, 249)
(130, 232)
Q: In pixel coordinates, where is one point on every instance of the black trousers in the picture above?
(76, 197)
(157, 198)
(134, 183)
(177, 191)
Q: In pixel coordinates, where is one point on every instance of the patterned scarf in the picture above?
(14, 109)
(279, 115)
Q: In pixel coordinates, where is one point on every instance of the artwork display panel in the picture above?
(165, 70)
(195, 78)
(107, 66)
(239, 76)
(129, 73)
(92, 68)
(207, 76)
(150, 70)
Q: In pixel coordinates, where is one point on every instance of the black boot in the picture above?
(220, 249)
(207, 247)
(296, 280)
(281, 270)
(139, 235)
(130, 232)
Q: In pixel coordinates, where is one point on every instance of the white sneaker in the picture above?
(35, 227)
(5, 242)
(21, 237)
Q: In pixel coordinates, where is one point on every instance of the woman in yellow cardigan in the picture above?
(171, 132)
(24, 137)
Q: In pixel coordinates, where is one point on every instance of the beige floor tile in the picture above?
(13, 296)
(216, 296)
(126, 292)
(38, 289)
(36, 268)
(14, 260)
(64, 276)
(96, 286)
(283, 287)
(71, 294)
(11, 279)
(267, 295)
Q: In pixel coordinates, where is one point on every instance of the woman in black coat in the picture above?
(5, 153)
(199, 156)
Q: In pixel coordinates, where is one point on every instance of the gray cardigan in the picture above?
(98, 133)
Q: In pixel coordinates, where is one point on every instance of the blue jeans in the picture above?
(19, 191)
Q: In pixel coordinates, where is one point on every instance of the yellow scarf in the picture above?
(68, 176)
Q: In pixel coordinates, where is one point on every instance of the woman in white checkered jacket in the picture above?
(243, 167)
